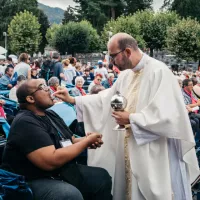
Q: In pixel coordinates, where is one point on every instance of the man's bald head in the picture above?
(123, 41)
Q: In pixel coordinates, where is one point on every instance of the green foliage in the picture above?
(127, 24)
(144, 18)
(138, 5)
(74, 37)
(183, 39)
(24, 32)
(155, 29)
(185, 8)
(44, 22)
(70, 15)
(9, 8)
(98, 12)
(50, 35)
(147, 27)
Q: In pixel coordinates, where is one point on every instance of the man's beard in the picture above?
(125, 64)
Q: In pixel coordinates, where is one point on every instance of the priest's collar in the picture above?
(140, 65)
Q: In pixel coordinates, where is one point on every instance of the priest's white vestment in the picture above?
(160, 143)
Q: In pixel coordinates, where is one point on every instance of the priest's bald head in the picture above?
(124, 51)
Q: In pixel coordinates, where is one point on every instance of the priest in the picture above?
(154, 158)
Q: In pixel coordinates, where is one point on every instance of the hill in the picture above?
(55, 15)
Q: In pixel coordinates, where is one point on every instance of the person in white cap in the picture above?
(101, 70)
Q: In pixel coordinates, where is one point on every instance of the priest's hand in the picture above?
(63, 94)
(121, 117)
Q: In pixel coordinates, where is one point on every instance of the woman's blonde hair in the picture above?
(66, 62)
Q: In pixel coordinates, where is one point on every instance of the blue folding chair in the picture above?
(5, 126)
(69, 87)
(4, 93)
(11, 107)
(66, 111)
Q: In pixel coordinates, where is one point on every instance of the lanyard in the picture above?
(61, 135)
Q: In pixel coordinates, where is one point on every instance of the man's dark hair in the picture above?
(22, 92)
(56, 55)
(127, 42)
(91, 68)
(72, 60)
(21, 78)
(7, 69)
(110, 66)
(100, 65)
(9, 59)
(186, 82)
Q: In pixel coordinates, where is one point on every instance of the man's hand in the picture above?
(63, 94)
(121, 117)
(95, 140)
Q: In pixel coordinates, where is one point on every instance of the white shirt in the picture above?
(103, 71)
(22, 69)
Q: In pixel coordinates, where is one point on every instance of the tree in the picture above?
(70, 15)
(147, 27)
(98, 12)
(133, 6)
(44, 22)
(50, 34)
(185, 8)
(183, 39)
(154, 27)
(127, 24)
(76, 37)
(24, 33)
(9, 8)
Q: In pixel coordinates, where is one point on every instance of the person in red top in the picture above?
(97, 81)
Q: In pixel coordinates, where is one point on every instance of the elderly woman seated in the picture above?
(78, 90)
(53, 83)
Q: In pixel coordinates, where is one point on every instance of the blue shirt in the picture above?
(4, 82)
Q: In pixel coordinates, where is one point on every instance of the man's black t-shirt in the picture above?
(28, 133)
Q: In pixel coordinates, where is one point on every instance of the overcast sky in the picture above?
(64, 3)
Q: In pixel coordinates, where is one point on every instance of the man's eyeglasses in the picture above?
(98, 79)
(41, 87)
(113, 56)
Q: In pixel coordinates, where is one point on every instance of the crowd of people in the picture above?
(44, 149)
(67, 71)
(189, 83)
